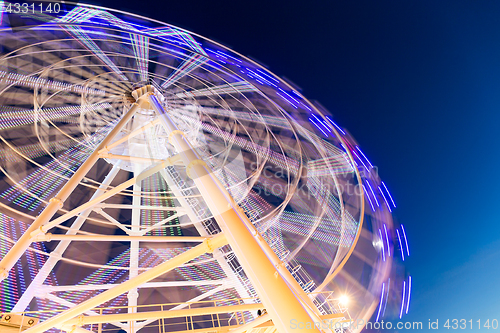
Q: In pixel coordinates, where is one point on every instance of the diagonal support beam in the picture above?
(145, 174)
(129, 136)
(57, 202)
(64, 302)
(206, 246)
(111, 219)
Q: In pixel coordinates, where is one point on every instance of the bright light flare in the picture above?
(344, 300)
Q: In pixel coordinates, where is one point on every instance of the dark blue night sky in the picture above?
(417, 83)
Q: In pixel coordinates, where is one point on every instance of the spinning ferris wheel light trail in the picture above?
(155, 180)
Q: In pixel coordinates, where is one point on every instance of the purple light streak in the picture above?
(319, 120)
(269, 76)
(390, 196)
(381, 299)
(371, 189)
(400, 245)
(335, 125)
(227, 55)
(387, 239)
(211, 51)
(280, 95)
(269, 83)
(289, 95)
(406, 241)
(402, 300)
(355, 154)
(220, 54)
(306, 106)
(364, 156)
(409, 294)
(370, 200)
(386, 202)
(302, 103)
(312, 121)
(382, 240)
(386, 296)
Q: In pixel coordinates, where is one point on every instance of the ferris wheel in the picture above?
(154, 180)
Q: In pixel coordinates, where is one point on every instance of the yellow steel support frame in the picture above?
(191, 312)
(279, 299)
(44, 271)
(272, 282)
(22, 244)
(57, 321)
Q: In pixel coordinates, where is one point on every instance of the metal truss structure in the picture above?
(156, 181)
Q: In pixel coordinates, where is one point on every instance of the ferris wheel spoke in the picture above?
(36, 82)
(188, 65)
(81, 15)
(80, 34)
(336, 164)
(192, 63)
(130, 135)
(16, 118)
(256, 117)
(141, 51)
(78, 14)
(35, 150)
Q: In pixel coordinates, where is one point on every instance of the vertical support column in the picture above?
(279, 299)
(133, 294)
(57, 202)
(136, 149)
